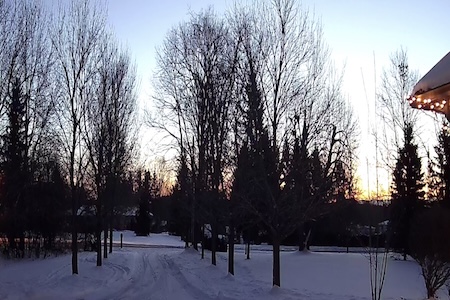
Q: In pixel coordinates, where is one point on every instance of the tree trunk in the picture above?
(105, 241)
(98, 242)
(22, 244)
(98, 235)
(301, 238)
(248, 249)
(231, 250)
(110, 221)
(111, 213)
(306, 244)
(194, 242)
(276, 262)
(110, 238)
(203, 241)
(213, 244)
(74, 245)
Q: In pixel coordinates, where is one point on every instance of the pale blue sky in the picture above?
(356, 31)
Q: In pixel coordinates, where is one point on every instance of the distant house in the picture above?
(87, 218)
(371, 230)
(125, 219)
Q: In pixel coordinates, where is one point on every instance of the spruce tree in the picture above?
(15, 168)
(143, 218)
(443, 167)
(407, 192)
(299, 183)
(180, 204)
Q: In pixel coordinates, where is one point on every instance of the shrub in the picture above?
(430, 247)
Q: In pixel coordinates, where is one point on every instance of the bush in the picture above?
(430, 247)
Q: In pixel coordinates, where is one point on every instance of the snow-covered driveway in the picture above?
(132, 273)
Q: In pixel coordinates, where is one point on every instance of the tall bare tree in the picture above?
(25, 66)
(276, 53)
(75, 34)
(285, 61)
(108, 132)
(196, 79)
(397, 82)
(27, 56)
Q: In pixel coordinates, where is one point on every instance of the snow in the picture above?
(160, 270)
(438, 76)
(153, 240)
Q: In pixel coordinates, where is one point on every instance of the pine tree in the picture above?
(443, 167)
(15, 168)
(180, 203)
(299, 183)
(143, 218)
(49, 207)
(407, 192)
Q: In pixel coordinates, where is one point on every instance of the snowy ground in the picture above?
(160, 270)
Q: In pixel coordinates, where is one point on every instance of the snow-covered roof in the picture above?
(86, 210)
(133, 211)
(438, 76)
(432, 92)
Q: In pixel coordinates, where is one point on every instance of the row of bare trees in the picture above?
(78, 89)
(258, 80)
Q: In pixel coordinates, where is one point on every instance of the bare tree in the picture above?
(27, 56)
(108, 132)
(397, 81)
(75, 34)
(430, 247)
(293, 57)
(122, 129)
(7, 21)
(25, 64)
(196, 79)
(208, 69)
(95, 135)
(378, 255)
(285, 61)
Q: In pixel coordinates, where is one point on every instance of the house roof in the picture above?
(437, 77)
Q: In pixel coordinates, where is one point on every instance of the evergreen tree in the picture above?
(15, 168)
(49, 207)
(298, 182)
(407, 192)
(443, 167)
(179, 222)
(143, 218)
(256, 167)
(341, 184)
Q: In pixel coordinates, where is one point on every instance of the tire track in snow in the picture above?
(158, 277)
(191, 289)
(143, 278)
